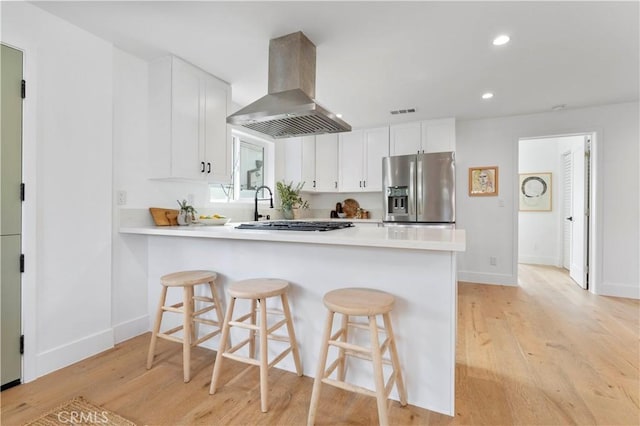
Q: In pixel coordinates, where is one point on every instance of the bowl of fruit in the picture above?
(213, 220)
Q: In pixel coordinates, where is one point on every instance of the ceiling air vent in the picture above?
(403, 111)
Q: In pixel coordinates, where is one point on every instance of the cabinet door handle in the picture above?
(202, 165)
(335, 184)
(364, 183)
(208, 167)
(314, 183)
(360, 184)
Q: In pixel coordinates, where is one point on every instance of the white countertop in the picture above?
(415, 238)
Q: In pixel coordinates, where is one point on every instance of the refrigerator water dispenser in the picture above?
(398, 200)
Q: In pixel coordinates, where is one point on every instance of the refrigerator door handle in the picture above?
(419, 189)
(412, 190)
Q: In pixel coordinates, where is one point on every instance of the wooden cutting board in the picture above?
(164, 217)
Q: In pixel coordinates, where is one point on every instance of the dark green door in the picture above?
(11, 215)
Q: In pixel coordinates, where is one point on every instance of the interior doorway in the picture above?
(554, 199)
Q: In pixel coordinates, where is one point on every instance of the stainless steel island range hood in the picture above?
(289, 109)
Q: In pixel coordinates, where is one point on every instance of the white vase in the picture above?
(184, 218)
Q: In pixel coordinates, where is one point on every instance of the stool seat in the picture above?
(258, 288)
(359, 301)
(183, 278)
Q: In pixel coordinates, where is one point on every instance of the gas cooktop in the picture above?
(295, 225)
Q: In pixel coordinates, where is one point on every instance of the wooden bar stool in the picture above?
(257, 290)
(190, 317)
(359, 302)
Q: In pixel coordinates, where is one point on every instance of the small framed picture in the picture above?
(483, 181)
(535, 192)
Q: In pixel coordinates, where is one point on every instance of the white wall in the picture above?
(130, 170)
(540, 233)
(491, 221)
(68, 159)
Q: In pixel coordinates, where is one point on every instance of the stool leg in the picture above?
(217, 304)
(194, 325)
(186, 337)
(376, 356)
(322, 361)
(264, 364)
(252, 333)
(156, 328)
(217, 367)
(342, 364)
(292, 335)
(402, 390)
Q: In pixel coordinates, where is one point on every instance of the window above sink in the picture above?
(253, 166)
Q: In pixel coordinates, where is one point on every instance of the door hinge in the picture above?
(22, 192)
(23, 89)
(22, 344)
(22, 263)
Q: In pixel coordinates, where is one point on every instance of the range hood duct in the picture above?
(289, 109)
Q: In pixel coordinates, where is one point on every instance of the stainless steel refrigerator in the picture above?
(419, 188)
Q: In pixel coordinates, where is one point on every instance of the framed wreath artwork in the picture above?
(535, 192)
(483, 181)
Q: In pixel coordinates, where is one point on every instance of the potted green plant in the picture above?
(290, 198)
(187, 213)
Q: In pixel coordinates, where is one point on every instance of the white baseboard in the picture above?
(62, 356)
(132, 328)
(628, 291)
(484, 278)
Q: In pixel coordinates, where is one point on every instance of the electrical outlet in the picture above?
(493, 261)
(122, 198)
(190, 199)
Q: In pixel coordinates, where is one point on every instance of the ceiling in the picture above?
(374, 57)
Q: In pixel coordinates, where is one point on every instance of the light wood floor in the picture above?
(544, 353)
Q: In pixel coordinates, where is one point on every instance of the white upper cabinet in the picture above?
(360, 156)
(351, 162)
(425, 136)
(439, 135)
(308, 162)
(376, 148)
(326, 163)
(405, 138)
(189, 136)
(292, 164)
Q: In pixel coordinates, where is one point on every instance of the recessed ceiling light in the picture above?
(501, 39)
(487, 95)
(339, 115)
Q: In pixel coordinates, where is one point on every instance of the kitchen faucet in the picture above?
(257, 216)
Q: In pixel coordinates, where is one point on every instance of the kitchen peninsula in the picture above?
(416, 264)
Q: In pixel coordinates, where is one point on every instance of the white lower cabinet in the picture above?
(360, 159)
(189, 136)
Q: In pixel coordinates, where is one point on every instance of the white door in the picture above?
(566, 209)
(577, 268)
